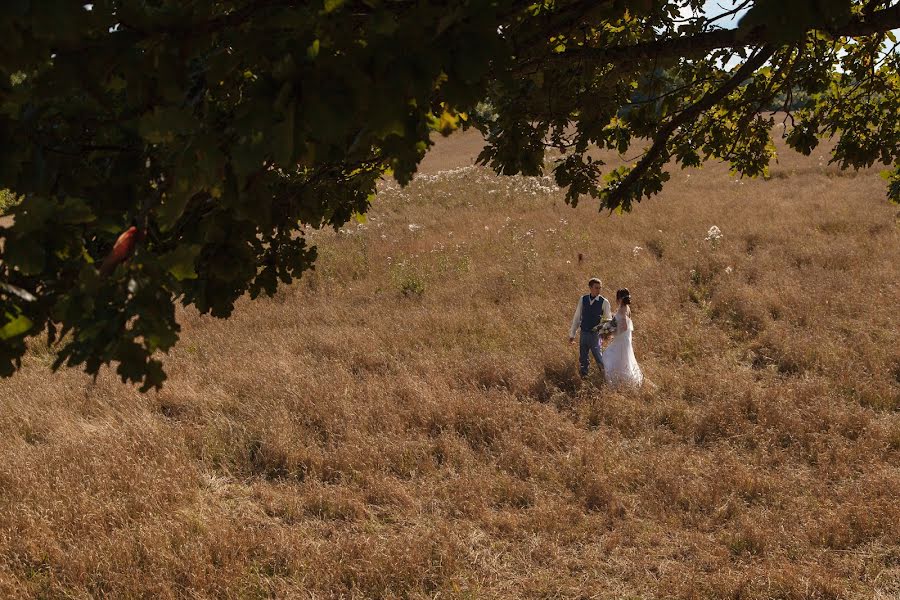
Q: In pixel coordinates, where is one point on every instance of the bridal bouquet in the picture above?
(606, 328)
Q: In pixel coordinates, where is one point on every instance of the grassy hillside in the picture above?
(407, 422)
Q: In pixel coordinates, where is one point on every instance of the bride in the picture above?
(619, 364)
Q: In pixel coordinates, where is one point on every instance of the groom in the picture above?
(592, 310)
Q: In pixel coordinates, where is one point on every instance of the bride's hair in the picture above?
(624, 295)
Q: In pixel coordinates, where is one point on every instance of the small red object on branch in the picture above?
(121, 250)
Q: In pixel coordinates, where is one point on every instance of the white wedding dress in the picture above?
(619, 363)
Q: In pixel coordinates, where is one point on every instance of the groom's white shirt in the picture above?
(576, 320)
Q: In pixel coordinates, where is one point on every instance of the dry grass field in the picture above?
(407, 421)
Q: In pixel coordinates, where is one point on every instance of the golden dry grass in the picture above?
(441, 445)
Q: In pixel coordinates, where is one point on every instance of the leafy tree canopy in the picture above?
(223, 129)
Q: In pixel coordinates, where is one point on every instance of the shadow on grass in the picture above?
(561, 378)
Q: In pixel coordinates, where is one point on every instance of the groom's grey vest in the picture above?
(591, 314)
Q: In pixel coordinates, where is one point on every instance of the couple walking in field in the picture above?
(594, 318)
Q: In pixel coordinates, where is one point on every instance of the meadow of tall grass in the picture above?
(407, 420)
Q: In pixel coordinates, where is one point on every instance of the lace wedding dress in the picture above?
(619, 363)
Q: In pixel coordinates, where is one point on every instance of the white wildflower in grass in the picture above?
(714, 234)
(636, 250)
(728, 270)
(414, 227)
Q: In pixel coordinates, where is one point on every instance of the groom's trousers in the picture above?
(589, 344)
